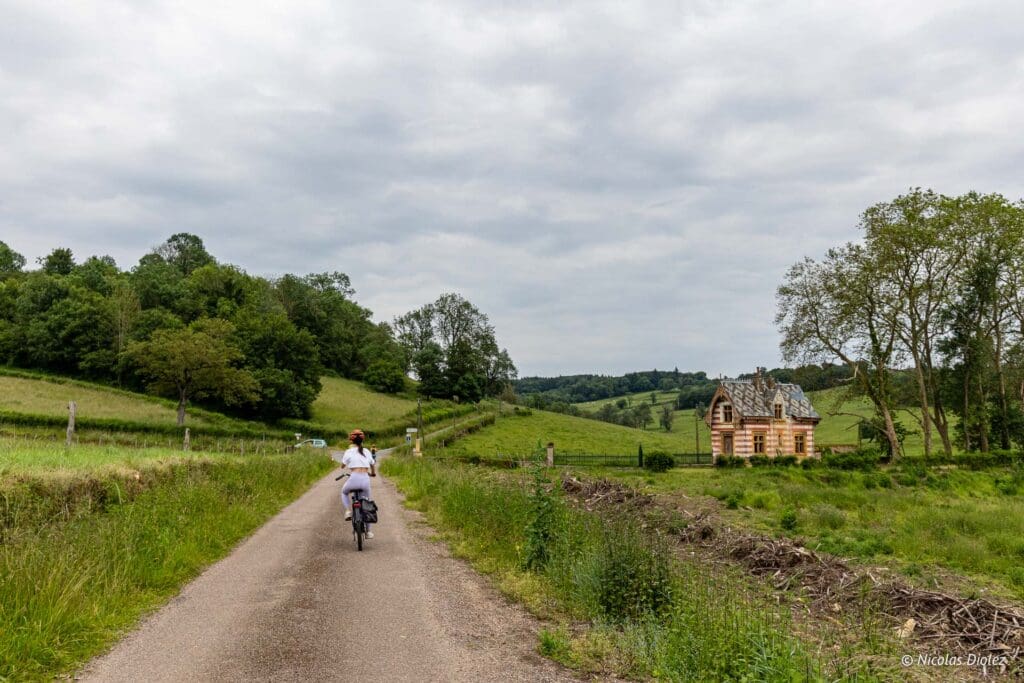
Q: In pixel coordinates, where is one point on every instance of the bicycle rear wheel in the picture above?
(360, 530)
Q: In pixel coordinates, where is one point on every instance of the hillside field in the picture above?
(347, 404)
(50, 396)
(520, 435)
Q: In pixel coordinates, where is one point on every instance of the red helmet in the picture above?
(356, 433)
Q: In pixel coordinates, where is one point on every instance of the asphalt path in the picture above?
(297, 602)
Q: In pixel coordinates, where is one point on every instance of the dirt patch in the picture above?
(928, 621)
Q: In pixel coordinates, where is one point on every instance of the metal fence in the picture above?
(599, 460)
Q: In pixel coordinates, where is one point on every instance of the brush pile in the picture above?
(934, 621)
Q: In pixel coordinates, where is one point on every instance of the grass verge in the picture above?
(618, 600)
(88, 548)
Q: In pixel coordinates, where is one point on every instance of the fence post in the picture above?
(188, 439)
(640, 456)
(72, 407)
(551, 454)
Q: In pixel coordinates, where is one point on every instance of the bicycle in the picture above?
(362, 507)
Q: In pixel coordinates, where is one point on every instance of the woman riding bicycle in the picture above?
(359, 460)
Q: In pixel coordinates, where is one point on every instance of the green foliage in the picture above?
(195, 362)
(58, 262)
(451, 347)
(788, 520)
(632, 574)
(785, 460)
(658, 461)
(541, 529)
(667, 417)
(730, 461)
(759, 460)
(863, 459)
(10, 261)
(185, 252)
(385, 376)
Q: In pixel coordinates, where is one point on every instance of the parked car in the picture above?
(312, 443)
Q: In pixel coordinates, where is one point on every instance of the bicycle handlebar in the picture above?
(342, 476)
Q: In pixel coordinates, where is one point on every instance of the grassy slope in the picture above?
(841, 428)
(519, 435)
(345, 403)
(639, 397)
(46, 397)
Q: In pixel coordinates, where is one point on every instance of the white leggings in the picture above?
(356, 481)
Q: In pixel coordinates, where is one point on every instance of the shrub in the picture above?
(759, 460)
(788, 520)
(384, 376)
(829, 517)
(863, 459)
(730, 461)
(732, 499)
(785, 460)
(658, 461)
(541, 529)
(633, 574)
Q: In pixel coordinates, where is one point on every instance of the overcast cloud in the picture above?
(620, 186)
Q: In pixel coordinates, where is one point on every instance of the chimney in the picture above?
(757, 378)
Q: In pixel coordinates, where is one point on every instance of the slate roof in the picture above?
(750, 401)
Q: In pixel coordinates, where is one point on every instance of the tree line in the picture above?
(926, 309)
(181, 324)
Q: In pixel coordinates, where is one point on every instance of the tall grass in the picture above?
(84, 554)
(649, 614)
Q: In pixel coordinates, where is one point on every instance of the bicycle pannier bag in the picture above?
(369, 511)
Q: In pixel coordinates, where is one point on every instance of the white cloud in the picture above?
(618, 185)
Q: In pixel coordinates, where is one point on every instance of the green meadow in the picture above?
(923, 521)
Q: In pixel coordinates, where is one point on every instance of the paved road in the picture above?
(297, 602)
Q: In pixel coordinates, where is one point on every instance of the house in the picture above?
(761, 417)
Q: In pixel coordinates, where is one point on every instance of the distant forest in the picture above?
(693, 387)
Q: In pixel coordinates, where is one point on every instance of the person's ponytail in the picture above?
(359, 444)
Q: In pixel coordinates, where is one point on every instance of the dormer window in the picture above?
(726, 413)
(778, 411)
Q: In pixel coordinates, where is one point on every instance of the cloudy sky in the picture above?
(619, 186)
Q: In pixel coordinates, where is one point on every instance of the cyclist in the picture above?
(360, 461)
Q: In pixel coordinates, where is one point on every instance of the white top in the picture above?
(352, 458)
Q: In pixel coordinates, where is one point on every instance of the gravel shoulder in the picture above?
(296, 601)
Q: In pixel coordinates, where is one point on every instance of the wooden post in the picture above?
(72, 408)
(551, 454)
(188, 439)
